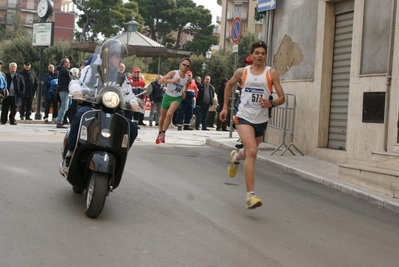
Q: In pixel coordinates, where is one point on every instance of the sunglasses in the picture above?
(187, 66)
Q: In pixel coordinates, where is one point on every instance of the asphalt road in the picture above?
(176, 206)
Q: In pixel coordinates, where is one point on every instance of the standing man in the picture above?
(221, 126)
(31, 84)
(206, 94)
(252, 117)
(176, 81)
(1, 67)
(50, 86)
(16, 89)
(63, 82)
(156, 100)
(138, 85)
(185, 112)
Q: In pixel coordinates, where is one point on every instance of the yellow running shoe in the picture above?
(233, 167)
(253, 201)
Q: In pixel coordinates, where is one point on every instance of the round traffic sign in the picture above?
(236, 30)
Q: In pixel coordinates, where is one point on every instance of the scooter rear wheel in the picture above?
(96, 192)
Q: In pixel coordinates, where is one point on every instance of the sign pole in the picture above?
(236, 31)
(38, 115)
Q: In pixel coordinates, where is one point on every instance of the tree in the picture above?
(10, 30)
(104, 18)
(156, 15)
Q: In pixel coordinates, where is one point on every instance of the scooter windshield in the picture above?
(112, 53)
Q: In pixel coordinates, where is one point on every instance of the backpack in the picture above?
(53, 86)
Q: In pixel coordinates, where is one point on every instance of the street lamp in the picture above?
(204, 66)
(208, 54)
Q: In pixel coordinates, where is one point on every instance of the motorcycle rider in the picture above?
(107, 63)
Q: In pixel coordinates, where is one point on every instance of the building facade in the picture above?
(245, 10)
(339, 58)
(63, 16)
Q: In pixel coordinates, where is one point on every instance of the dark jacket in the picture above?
(63, 79)
(200, 97)
(157, 92)
(19, 87)
(48, 77)
(31, 83)
(220, 94)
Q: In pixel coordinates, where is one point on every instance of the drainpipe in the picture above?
(389, 73)
(269, 37)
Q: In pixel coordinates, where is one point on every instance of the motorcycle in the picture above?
(102, 144)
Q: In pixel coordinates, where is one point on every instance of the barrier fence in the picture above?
(283, 119)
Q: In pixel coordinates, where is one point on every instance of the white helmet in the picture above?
(74, 73)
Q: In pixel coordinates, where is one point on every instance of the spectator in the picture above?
(16, 89)
(31, 83)
(138, 85)
(221, 125)
(205, 98)
(156, 100)
(50, 86)
(63, 82)
(1, 66)
(185, 112)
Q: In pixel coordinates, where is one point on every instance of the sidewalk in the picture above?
(306, 167)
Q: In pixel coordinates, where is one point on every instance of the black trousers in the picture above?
(25, 110)
(8, 104)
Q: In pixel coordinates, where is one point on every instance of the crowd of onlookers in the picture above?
(198, 110)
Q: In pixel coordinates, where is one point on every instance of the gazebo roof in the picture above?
(138, 44)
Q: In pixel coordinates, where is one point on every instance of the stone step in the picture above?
(385, 160)
(385, 181)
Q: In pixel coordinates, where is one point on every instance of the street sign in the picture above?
(235, 48)
(236, 30)
(264, 5)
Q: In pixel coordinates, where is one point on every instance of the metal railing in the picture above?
(283, 118)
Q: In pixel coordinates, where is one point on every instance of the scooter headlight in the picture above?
(111, 99)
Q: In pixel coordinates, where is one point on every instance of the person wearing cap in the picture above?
(258, 81)
(1, 67)
(176, 81)
(138, 85)
(185, 112)
(248, 61)
(16, 89)
(31, 83)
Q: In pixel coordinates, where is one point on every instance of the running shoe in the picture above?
(157, 140)
(162, 138)
(253, 201)
(233, 167)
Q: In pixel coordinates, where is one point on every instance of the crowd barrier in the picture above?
(283, 119)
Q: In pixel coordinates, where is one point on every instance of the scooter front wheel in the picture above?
(96, 192)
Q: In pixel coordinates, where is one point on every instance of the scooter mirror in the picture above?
(74, 73)
(148, 89)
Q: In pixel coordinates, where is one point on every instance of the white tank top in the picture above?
(176, 89)
(253, 88)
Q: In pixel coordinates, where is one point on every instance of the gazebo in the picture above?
(137, 44)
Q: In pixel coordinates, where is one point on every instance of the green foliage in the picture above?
(20, 49)
(244, 46)
(156, 16)
(9, 31)
(104, 18)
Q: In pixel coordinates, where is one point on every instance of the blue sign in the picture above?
(236, 30)
(265, 5)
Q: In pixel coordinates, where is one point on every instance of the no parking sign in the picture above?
(236, 30)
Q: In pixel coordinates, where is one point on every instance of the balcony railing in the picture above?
(241, 15)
